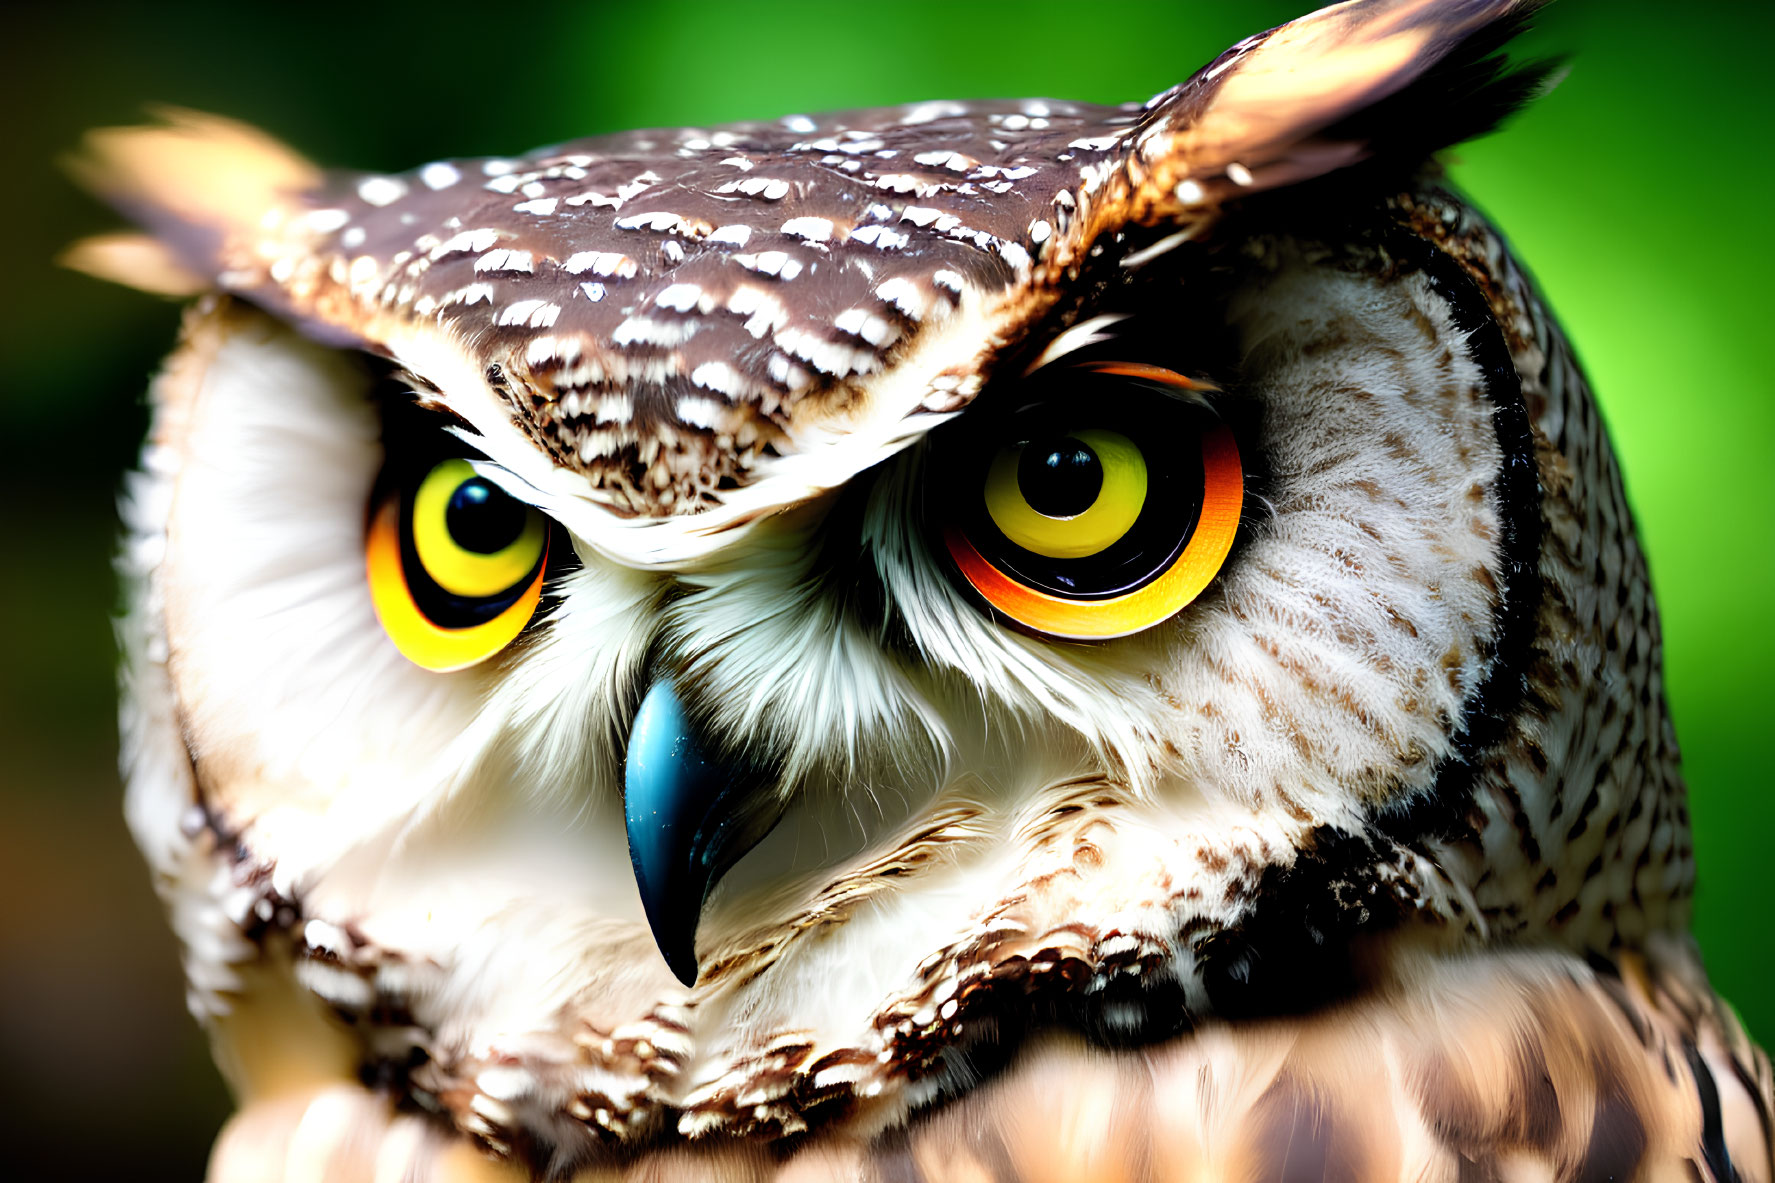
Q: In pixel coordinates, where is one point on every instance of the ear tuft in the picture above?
(133, 260)
(1466, 94)
(1389, 80)
(194, 179)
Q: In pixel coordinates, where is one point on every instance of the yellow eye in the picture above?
(1097, 512)
(473, 539)
(456, 567)
(1067, 497)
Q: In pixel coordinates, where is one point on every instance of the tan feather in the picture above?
(134, 260)
(1266, 113)
(1515, 1065)
(194, 179)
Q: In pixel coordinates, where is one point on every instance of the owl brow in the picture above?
(413, 408)
(498, 474)
(1085, 333)
(412, 413)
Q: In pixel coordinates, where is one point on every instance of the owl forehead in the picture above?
(737, 318)
(691, 298)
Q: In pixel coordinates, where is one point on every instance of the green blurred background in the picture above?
(1638, 192)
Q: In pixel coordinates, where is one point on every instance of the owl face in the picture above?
(724, 630)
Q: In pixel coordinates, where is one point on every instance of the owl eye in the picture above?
(1100, 510)
(1067, 496)
(455, 564)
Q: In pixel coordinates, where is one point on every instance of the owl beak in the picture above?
(690, 815)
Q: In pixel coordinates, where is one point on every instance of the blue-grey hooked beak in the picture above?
(691, 812)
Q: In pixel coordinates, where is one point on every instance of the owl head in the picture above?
(727, 632)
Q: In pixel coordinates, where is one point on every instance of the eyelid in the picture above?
(566, 510)
(1190, 390)
(509, 482)
(1148, 373)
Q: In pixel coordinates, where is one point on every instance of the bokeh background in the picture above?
(1638, 191)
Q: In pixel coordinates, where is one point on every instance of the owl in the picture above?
(1014, 640)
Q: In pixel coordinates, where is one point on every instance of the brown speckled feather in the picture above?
(665, 311)
(1500, 1067)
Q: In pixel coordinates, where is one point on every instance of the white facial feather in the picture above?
(265, 593)
(1360, 615)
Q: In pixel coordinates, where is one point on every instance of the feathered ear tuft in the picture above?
(133, 260)
(1359, 81)
(194, 180)
(1467, 94)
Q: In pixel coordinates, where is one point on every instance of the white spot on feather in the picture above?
(769, 188)
(944, 158)
(505, 260)
(605, 263)
(325, 221)
(680, 297)
(699, 412)
(764, 312)
(543, 350)
(771, 263)
(719, 377)
(467, 240)
(786, 373)
(327, 938)
(927, 112)
(881, 237)
(644, 330)
(380, 191)
(903, 294)
(659, 220)
(440, 175)
(537, 314)
(830, 357)
(860, 322)
(812, 229)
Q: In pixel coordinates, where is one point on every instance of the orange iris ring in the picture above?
(1149, 373)
(1223, 498)
(424, 643)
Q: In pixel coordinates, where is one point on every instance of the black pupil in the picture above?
(1059, 478)
(483, 518)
